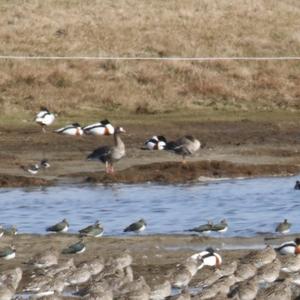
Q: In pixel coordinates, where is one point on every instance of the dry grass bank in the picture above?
(149, 28)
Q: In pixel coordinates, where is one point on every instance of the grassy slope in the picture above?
(149, 28)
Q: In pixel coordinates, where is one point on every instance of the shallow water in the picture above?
(250, 206)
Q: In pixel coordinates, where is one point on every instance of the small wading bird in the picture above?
(283, 227)
(76, 248)
(110, 154)
(62, 226)
(8, 253)
(44, 118)
(206, 228)
(221, 227)
(73, 129)
(137, 227)
(157, 142)
(297, 185)
(103, 127)
(95, 230)
(184, 146)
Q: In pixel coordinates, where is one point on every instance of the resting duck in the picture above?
(73, 129)
(44, 118)
(110, 154)
(292, 247)
(184, 146)
(283, 227)
(209, 257)
(104, 127)
(157, 142)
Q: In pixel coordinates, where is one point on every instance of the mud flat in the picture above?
(153, 255)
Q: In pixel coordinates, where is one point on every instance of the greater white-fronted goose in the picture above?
(44, 118)
(110, 154)
(73, 129)
(184, 146)
(103, 127)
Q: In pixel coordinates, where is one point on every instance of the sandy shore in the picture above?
(230, 149)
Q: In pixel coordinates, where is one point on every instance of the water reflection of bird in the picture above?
(283, 227)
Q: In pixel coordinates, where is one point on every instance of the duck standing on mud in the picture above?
(184, 146)
(110, 154)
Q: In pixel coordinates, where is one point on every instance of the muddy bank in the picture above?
(176, 172)
(153, 256)
(21, 181)
(232, 149)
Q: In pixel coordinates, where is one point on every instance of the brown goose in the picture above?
(110, 154)
(184, 146)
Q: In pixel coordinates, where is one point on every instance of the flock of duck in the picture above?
(184, 146)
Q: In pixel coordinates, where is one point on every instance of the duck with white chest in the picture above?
(157, 142)
(44, 118)
(73, 129)
(103, 127)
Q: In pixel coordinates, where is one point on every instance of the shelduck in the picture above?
(209, 257)
(157, 142)
(291, 247)
(44, 118)
(73, 129)
(103, 127)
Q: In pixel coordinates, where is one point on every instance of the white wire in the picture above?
(10, 57)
